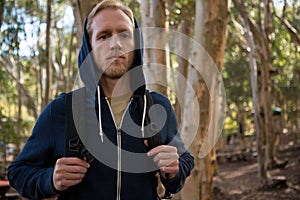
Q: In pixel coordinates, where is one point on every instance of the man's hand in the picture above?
(69, 172)
(166, 158)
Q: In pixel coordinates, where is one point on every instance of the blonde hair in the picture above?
(108, 4)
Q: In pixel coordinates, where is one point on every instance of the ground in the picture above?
(238, 179)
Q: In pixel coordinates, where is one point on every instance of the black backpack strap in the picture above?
(73, 144)
(154, 137)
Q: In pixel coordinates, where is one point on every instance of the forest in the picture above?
(231, 69)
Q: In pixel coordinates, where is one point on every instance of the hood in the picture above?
(87, 65)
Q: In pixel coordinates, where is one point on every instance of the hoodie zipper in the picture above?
(119, 139)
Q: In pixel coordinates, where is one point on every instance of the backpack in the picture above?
(74, 146)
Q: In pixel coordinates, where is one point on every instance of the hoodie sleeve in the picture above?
(186, 160)
(172, 137)
(31, 173)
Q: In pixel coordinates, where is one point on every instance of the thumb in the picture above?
(146, 143)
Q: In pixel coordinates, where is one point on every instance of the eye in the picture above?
(125, 35)
(103, 37)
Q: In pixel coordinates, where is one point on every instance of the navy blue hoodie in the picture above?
(31, 173)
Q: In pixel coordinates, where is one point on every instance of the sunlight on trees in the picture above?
(25, 80)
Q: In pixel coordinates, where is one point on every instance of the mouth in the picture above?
(116, 57)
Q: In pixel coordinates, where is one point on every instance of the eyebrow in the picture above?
(106, 30)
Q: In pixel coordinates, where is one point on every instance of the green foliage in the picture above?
(23, 53)
(286, 61)
(236, 77)
(182, 10)
(134, 5)
(285, 58)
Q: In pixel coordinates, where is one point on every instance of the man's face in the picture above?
(112, 42)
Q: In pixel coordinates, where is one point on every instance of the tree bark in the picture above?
(2, 3)
(146, 22)
(81, 11)
(20, 100)
(210, 28)
(48, 56)
(260, 135)
(159, 55)
(183, 65)
(69, 63)
(153, 16)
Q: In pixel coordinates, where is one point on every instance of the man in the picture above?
(42, 170)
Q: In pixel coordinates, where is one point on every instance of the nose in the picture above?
(115, 43)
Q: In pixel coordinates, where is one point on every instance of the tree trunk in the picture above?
(2, 3)
(153, 15)
(260, 134)
(266, 82)
(159, 55)
(183, 64)
(68, 85)
(81, 10)
(210, 29)
(20, 100)
(37, 71)
(48, 56)
(146, 22)
(298, 114)
(265, 141)
(241, 121)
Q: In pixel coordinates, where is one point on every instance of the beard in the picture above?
(116, 70)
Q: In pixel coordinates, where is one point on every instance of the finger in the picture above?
(161, 148)
(166, 156)
(69, 176)
(62, 181)
(73, 168)
(73, 161)
(165, 163)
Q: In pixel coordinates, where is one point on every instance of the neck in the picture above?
(115, 87)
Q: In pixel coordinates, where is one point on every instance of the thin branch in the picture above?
(284, 9)
(9, 62)
(2, 3)
(291, 30)
(257, 34)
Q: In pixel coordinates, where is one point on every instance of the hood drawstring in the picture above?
(144, 116)
(100, 121)
(99, 110)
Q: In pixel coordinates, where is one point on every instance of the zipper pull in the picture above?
(119, 131)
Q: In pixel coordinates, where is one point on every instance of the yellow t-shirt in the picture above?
(118, 105)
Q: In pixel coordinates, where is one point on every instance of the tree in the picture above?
(182, 66)
(81, 10)
(48, 56)
(153, 15)
(2, 3)
(286, 58)
(210, 29)
(23, 62)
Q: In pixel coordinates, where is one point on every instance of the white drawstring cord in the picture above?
(144, 115)
(99, 110)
